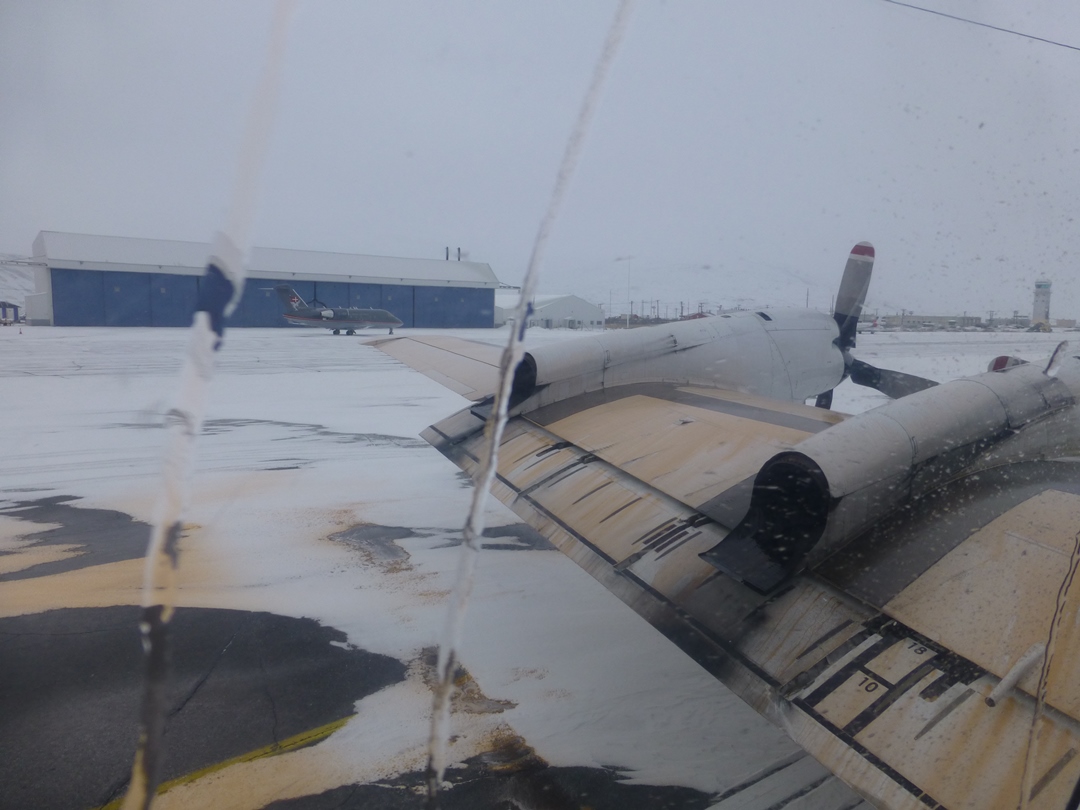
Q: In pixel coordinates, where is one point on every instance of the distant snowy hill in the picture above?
(15, 283)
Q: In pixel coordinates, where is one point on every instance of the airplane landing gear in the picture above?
(337, 331)
(351, 332)
(391, 330)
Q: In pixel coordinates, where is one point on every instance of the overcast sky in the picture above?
(739, 151)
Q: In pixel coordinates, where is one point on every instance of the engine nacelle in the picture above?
(830, 488)
(785, 354)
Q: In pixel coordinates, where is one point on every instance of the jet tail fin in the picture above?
(289, 297)
(852, 293)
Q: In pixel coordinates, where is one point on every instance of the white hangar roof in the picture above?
(508, 299)
(126, 254)
(555, 310)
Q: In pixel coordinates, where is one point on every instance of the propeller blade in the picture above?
(893, 384)
(852, 293)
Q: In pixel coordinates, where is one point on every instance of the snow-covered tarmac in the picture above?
(310, 436)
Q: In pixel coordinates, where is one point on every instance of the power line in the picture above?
(984, 25)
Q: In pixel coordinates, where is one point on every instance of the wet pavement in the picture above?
(94, 536)
(71, 681)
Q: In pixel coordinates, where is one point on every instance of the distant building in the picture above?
(9, 313)
(551, 311)
(914, 322)
(83, 280)
(1040, 312)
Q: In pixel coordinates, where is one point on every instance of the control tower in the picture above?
(1040, 312)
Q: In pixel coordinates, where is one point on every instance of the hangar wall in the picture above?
(85, 280)
(116, 298)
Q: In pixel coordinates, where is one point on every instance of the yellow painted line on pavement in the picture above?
(301, 740)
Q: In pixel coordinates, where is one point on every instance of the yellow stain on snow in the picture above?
(118, 583)
(21, 559)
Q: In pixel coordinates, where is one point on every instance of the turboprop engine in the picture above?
(791, 354)
(785, 354)
(808, 502)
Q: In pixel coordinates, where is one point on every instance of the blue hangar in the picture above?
(83, 280)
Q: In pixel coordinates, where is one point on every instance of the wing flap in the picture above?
(995, 595)
(693, 444)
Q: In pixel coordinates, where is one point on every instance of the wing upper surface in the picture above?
(464, 366)
(879, 662)
(694, 444)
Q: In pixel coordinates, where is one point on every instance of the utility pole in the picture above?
(628, 260)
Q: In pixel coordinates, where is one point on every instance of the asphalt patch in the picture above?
(71, 684)
(104, 535)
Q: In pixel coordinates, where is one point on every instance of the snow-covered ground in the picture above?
(309, 435)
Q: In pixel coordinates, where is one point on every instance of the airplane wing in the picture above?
(464, 366)
(880, 657)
